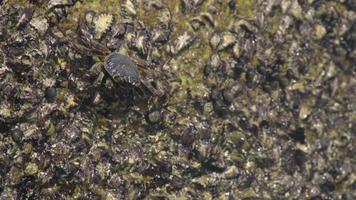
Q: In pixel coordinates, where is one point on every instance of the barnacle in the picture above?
(215, 40)
(129, 7)
(182, 42)
(227, 40)
(102, 24)
(40, 25)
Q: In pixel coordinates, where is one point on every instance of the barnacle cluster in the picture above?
(257, 102)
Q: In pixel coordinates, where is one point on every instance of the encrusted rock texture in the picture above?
(234, 99)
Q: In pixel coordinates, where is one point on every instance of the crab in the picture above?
(122, 70)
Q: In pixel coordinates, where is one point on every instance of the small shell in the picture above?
(241, 26)
(189, 5)
(89, 17)
(236, 50)
(208, 19)
(165, 18)
(228, 39)
(215, 61)
(205, 19)
(195, 23)
(153, 4)
(215, 41)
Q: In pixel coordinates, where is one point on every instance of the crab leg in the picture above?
(94, 70)
(100, 48)
(151, 89)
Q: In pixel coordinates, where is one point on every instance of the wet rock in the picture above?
(256, 99)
